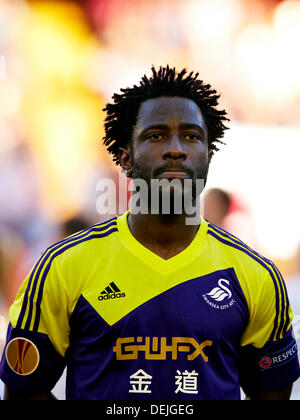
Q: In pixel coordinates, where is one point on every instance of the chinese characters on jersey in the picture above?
(186, 382)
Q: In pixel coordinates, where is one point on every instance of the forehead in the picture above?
(169, 109)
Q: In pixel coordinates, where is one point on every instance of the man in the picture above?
(146, 306)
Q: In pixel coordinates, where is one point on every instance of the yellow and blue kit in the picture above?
(128, 324)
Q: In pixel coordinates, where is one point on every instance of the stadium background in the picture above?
(60, 62)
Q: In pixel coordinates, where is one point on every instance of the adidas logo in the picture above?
(111, 292)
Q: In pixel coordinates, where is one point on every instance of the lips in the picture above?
(173, 173)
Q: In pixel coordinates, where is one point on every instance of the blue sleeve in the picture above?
(30, 364)
(270, 368)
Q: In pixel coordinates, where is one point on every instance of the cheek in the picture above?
(141, 160)
(148, 154)
(142, 164)
(199, 155)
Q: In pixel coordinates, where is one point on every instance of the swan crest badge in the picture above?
(219, 294)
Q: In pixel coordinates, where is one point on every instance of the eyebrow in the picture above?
(192, 126)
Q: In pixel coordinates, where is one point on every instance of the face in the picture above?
(169, 141)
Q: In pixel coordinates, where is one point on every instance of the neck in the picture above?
(162, 232)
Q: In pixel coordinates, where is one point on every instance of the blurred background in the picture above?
(61, 61)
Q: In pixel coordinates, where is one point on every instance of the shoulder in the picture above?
(71, 256)
(51, 281)
(239, 252)
(260, 280)
(80, 244)
(257, 275)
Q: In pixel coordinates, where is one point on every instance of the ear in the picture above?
(124, 155)
(210, 155)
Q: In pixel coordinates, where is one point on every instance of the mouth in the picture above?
(174, 173)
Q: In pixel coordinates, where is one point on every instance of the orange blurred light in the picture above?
(287, 21)
(62, 115)
(263, 62)
(212, 19)
(287, 30)
(55, 40)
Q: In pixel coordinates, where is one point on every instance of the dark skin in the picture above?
(170, 134)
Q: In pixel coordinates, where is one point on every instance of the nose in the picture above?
(174, 149)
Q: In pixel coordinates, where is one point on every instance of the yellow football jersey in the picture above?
(129, 324)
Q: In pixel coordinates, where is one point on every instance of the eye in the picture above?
(192, 136)
(155, 137)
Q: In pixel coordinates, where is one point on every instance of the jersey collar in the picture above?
(155, 261)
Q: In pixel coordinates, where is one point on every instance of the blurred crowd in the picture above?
(61, 61)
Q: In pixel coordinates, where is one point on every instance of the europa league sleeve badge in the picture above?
(22, 356)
